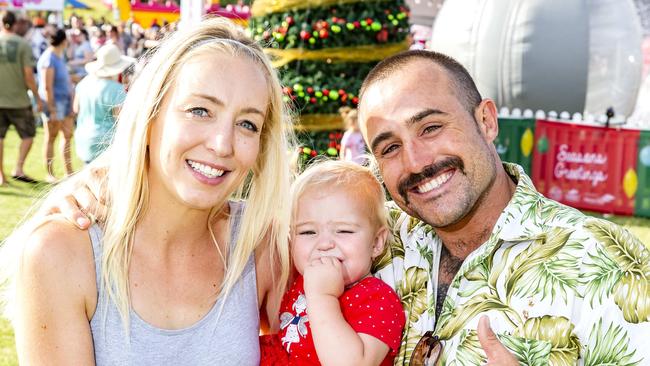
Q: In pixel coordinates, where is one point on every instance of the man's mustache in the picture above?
(428, 172)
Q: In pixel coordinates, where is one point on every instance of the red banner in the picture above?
(586, 167)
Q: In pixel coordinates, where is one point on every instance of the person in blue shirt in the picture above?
(54, 89)
(97, 98)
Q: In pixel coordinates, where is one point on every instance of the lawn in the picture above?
(16, 198)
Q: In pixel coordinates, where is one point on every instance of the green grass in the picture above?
(16, 198)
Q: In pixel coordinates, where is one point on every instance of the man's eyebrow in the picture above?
(412, 120)
(379, 139)
(422, 115)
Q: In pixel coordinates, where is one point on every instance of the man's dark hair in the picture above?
(462, 83)
(8, 19)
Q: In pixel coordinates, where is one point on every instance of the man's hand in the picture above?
(324, 276)
(497, 354)
(85, 204)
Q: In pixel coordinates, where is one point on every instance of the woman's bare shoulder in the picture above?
(59, 250)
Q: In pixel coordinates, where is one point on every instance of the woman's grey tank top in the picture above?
(229, 338)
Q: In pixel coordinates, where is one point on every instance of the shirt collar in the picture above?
(517, 222)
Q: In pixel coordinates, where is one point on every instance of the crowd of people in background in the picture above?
(50, 94)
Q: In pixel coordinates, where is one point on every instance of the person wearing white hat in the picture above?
(97, 98)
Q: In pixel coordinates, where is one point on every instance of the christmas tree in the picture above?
(323, 50)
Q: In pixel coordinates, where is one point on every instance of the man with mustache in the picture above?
(475, 248)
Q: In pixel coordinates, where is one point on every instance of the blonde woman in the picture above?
(179, 273)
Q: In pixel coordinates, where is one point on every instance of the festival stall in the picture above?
(147, 13)
(43, 5)
(38, 5)
(584, 165)
(95, 9)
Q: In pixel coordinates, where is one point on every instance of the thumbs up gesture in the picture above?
(497, 354)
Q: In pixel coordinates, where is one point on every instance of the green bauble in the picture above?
(542, 145)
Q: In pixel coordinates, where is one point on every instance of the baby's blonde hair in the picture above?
(342, 175)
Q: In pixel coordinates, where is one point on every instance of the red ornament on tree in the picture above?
(382, 36)
(326, 92)
(310, 90)
(355, 100)
(324, 34)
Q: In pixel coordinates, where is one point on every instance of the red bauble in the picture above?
(313, 153)
(305, 35)
(326, 92)
(332, 144)
(369, 21)
(355, 100)
(312, 100)
(310, 90)
(287, 90)
(344, 98)
(356, 24)
(341, 92)
(289, 20)
(324, 34)
(382, 36)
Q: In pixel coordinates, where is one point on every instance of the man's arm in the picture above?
(30, 82)
(612, 321)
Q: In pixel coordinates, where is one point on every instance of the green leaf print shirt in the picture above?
(560, 288)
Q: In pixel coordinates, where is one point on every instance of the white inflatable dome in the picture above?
(575, 56)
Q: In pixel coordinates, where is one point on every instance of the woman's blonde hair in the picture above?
(342, 175)
(265, 218)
